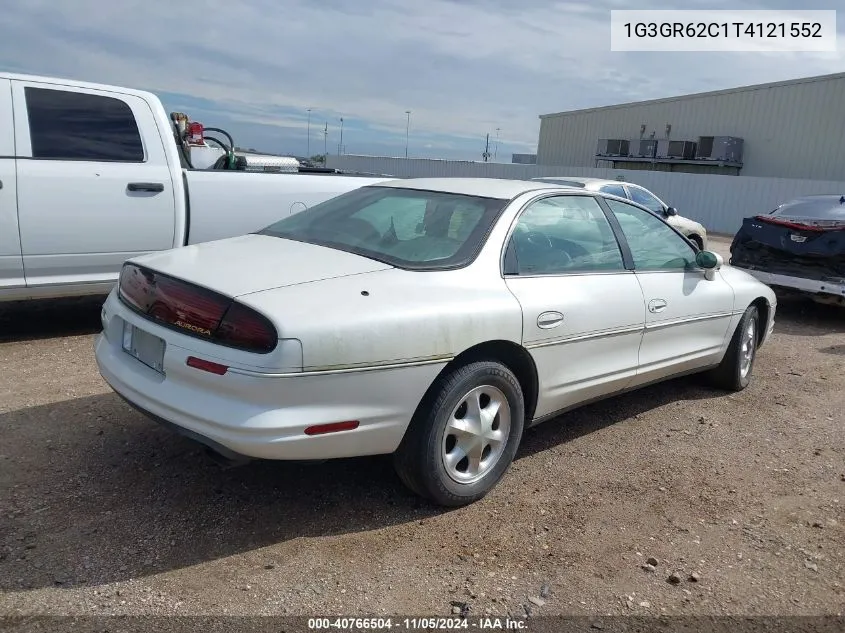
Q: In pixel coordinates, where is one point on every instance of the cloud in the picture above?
(463, 67)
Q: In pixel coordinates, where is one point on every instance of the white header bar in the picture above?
(791, 31)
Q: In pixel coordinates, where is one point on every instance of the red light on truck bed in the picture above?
(333, 427)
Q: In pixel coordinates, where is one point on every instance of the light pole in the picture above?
(407, 130)
(325, 143)
(496, 146)
(340, 145)
(308, 151)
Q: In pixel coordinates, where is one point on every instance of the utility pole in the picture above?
(496, 146)
(308, 152)
(407, 130)
(325, 143)
(340, 145)
(486, 154)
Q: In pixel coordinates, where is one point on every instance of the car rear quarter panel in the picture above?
(392, 316)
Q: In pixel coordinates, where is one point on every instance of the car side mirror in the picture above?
(670, 211)
(710, 262)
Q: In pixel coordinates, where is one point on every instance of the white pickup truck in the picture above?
(91, 175)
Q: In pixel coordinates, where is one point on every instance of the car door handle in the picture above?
(548, 320)
(656, 305)
(154, 187)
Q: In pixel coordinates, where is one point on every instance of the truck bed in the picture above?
(227, 203)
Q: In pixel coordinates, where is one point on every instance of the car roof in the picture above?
(581, 179)
(501, 188)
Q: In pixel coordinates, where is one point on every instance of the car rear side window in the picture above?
(614, 190)
(66, 125)
(560, 235)
(643, 197)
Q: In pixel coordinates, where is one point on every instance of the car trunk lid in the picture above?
(253, 263)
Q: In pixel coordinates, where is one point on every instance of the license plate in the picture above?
(144, 346)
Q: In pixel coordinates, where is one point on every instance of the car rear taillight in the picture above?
(195, 311)
(245, 328)
(798, 225)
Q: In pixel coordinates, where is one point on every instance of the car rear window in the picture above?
(821, 208)
(406, 228)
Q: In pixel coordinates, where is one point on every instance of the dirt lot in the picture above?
(101, 511)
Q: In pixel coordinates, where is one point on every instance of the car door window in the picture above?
(66, 125)
(563, 234)
(614, 190)
(643, 197)
(654, 245)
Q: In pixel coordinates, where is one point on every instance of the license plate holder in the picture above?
(144, 347)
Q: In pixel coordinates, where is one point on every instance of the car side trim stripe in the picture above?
(584, 337)
(630, 330)
(445, 359)
(340, 370)
(682, 321)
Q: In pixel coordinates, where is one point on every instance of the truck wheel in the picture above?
(462, 440)
(734, 372)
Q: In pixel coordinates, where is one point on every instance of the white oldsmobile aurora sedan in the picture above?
(434, 319)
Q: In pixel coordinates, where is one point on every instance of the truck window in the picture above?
(77, 126)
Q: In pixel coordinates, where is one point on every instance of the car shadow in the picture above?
(613, 410)
(838, 350)
(50, 318)
(94, 493)
(798, 316)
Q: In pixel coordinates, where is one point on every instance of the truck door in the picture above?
(94, 186)
(11, 264)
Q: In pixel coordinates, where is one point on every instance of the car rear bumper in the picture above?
(265, 416)
(801, 284)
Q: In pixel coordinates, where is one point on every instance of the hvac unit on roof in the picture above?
(612, 147)
(684, 150)
(643, 148)
(726, 149)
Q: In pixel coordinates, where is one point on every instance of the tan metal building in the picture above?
(787, 129)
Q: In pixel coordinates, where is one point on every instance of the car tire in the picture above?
(483, 403)
(699, 243)
(734, 372)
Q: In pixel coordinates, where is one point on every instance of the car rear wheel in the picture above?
(463, 439)
(734, 372)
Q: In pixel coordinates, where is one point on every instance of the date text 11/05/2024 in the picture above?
(418, 624)
(765, 30)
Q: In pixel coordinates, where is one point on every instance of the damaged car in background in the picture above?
(797, 248)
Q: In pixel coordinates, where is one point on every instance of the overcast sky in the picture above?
(463, 67)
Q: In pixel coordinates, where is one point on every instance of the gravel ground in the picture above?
(738, 499)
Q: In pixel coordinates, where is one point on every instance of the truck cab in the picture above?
(94, 183)
(92, 175)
